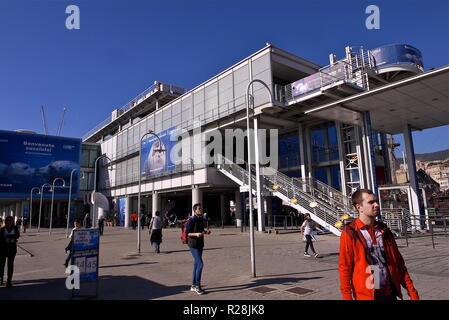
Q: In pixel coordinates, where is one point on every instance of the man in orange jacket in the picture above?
(370, 265)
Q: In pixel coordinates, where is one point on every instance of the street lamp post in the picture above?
(250, 99)
(40, 206)
(31, 202)
(70, 198)
(52, 197)
(95, 187)
(150, 132)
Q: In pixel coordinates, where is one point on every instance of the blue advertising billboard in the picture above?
(397, 54)
(156, 153)
(31, 160)
(121, 212)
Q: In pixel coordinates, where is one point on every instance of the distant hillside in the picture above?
(439, 155)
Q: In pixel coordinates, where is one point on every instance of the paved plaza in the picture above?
(283, 273)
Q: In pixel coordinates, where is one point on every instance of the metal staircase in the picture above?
(325, 205)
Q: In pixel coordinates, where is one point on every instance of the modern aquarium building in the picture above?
(318, 133)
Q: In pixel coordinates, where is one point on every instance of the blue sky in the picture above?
(123, 46)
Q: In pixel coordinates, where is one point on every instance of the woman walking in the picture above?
(155, 229)
(307, 228)
(8, 249)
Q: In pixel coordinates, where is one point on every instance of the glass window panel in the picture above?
(321, 174)
(198, 108)
(93, 154)
(85, 158)
(176, 108)
(83, 182)
(158, 123)
(241, 80)
(176, 120)
(336, 183)
(211, 100)
(333, 143)
(166, 113)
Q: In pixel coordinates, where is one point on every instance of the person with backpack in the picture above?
(9, 234)
(194, 232)
(155, 229)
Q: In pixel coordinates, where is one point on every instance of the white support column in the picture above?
(238, 209)
(17, 211)
(197, 196)
(415, 206)
(127, 211)
(309, 154)
(360, 157)
(368, 147)
(302, 147)
(341, 154)
(260, 207)
(155, 203)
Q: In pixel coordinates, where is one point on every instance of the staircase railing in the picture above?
(297, 192)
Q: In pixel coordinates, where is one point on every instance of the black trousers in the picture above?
(309, 243)
(10, 266)
(68, 258)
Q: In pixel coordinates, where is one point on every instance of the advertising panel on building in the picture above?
(121, 212)
(156, 153)
(397, 54)
(31, 160)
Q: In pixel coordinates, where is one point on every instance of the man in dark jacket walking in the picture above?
(195, 234)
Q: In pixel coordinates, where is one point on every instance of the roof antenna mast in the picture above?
(44, 121)
(61, 122)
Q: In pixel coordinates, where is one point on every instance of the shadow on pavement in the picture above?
(110, 288)
(187, 250)
(289, 274)
(126, 265)
(260, 282)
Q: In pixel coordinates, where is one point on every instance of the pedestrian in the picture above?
(25, 224)
(155, 229)
(87, 222)
(134, 218)
(9, 234)
(195, 232)
(306, 228)
(77, 225)
(19, 223)
(143, 221)
(370, 264)
(101, 225)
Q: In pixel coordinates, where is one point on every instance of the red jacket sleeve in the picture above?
(346, 266)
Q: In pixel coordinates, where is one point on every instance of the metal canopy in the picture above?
(421, 101)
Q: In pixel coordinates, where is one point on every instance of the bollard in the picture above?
(431, 233)
(444, 221)
(404, 227)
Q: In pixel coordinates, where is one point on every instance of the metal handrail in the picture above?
(287, 187)
(158, 86)
(360, 62)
